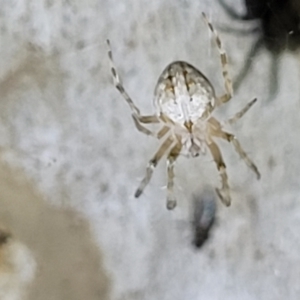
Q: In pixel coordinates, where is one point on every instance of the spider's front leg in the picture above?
(136, 115)
(224, 62)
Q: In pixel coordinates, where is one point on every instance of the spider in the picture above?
(185, 99)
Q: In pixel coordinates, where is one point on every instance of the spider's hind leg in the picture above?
(238, 148)
(223, 193)
(153, 163)
(171, 159)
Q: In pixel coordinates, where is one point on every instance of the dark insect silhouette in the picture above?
(277, 28)
(204, 210)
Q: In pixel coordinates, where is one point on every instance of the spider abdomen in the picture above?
(183, 94)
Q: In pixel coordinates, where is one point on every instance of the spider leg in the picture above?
(161, 133)
(240, 114)
(224, 62)
(216, 131)
(148, 119)
(153, 163)
(238, 148)
(173, 155)
(140, 127)
(223, 193)
(118, 82)
(137, 117)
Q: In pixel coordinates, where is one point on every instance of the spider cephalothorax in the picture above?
(184, 100)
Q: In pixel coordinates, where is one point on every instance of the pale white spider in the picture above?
(185, 99)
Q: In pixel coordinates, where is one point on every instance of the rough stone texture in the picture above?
(65, 127)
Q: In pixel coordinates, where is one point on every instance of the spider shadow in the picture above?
(203, 215)
(277, 29)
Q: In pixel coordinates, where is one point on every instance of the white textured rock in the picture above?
(63, 122)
